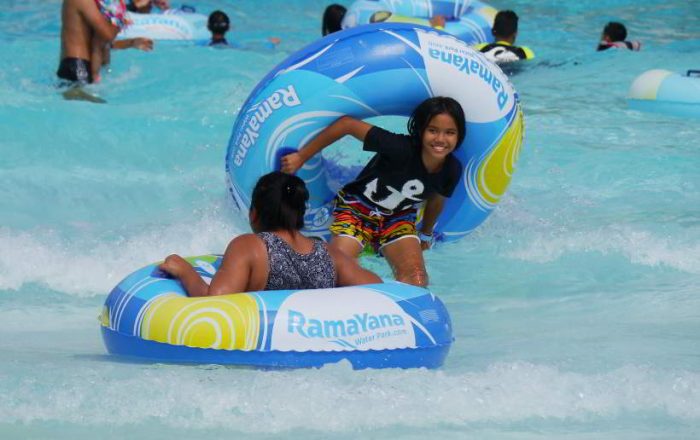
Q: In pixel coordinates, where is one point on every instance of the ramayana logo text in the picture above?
(472, 66)
(297, 322)
(280, 97)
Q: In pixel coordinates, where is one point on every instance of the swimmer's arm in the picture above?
(232, 276)
(144, 44)
(349, 272)
(99, 24)
(341, 127)
(433, 208)
(236, 267)
(178, 267)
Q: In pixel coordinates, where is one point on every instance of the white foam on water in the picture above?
(640, 247)
(93, 266)
(335, 399)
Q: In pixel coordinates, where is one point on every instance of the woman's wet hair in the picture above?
(279, 200)
(431, 107)
(332, 17)
(219, 22)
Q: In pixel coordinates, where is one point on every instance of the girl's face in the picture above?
(440, 136)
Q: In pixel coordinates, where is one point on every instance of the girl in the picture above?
(379, 206)
(276, 256)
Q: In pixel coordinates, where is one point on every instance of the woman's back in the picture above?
(290, 269)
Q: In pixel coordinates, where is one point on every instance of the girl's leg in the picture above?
(406, 259)
(347, 245)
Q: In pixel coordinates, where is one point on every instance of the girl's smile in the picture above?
(439, 139)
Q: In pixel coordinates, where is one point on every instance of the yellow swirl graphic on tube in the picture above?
(229, 322)
(496, 170)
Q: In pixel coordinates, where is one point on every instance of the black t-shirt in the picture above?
(396, 179)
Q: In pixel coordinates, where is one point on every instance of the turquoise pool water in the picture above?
(576, 305)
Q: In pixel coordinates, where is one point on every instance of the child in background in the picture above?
(219, 23)
(505, 31)
(332, 18)
(614, 35)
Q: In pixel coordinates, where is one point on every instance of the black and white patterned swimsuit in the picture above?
(291, 270)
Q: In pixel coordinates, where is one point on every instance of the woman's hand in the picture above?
(175, 265)
(291, 163)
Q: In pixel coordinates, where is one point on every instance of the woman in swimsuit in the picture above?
(276, 256)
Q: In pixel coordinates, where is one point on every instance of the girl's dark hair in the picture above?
(280, 200)
(332, 17)
(432, 107)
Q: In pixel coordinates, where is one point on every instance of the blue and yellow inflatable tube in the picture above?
(374, 70)
(470, 21)
(663, 91)
(147, 316)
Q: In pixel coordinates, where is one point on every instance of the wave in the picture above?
(640, 247)
(92, 266)
(337, 400)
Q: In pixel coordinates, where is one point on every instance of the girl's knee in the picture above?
(416, 276)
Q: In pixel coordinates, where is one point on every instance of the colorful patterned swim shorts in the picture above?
(355, 218)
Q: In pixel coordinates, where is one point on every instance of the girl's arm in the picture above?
(341, 127)
(232, 277)
(433, 208)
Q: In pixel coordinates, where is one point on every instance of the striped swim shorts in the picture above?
(355, 218)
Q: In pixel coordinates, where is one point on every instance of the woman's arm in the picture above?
(341, 127)
(232, 277)
(178, 267)
(433, 208)
(349, 272)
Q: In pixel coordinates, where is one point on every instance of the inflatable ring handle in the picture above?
(283, 151)
(692, 72)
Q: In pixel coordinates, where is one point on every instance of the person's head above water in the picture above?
(278, 203)
(431, 107)
(332, 17)
(614, 31)
(218, 23)
(505, 26)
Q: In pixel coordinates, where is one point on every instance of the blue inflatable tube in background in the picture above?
(374, 70)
